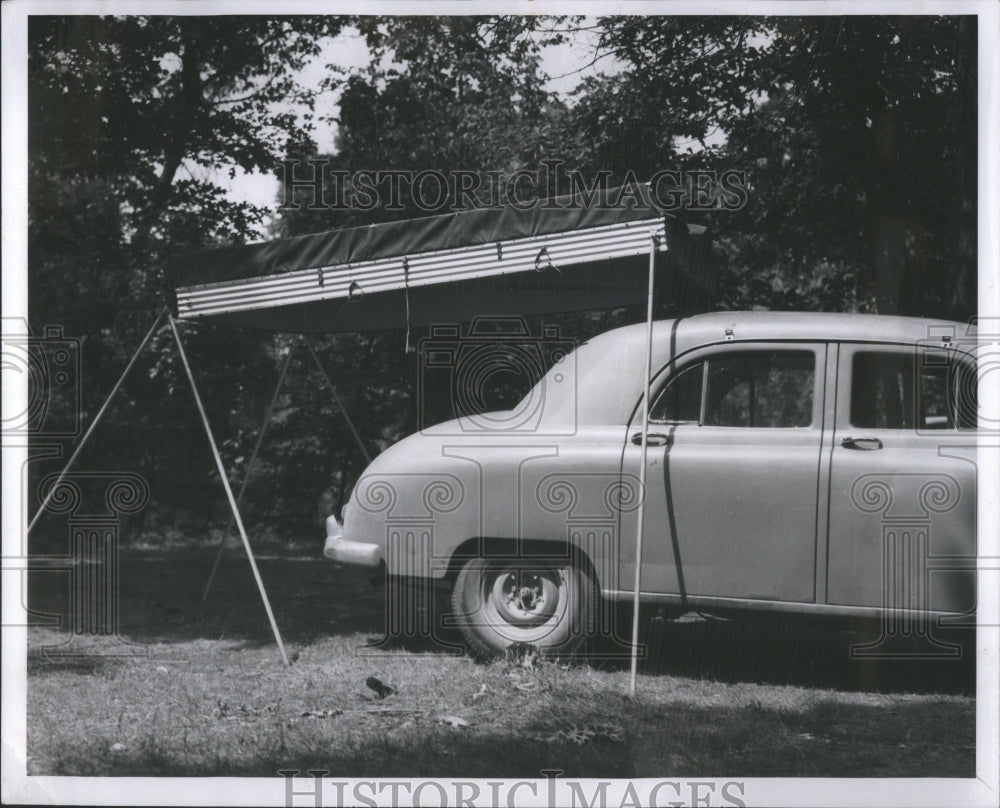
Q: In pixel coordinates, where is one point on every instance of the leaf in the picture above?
(579, 736)
(329, 713)
(382, 690)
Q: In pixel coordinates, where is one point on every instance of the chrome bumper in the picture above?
(343, 551)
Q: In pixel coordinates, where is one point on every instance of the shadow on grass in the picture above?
(160, 601)
(160, 598)
(793, 651)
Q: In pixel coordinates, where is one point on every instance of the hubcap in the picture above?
(523, 597)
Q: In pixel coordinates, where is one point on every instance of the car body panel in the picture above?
(899, 509)
(760, 517)
(534, 489)
(730, 511)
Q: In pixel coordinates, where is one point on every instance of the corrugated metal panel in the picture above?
(561, 250)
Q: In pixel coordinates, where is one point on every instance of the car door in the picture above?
(902, 480)
(732, 474)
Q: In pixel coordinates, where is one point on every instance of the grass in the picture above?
(204, 693)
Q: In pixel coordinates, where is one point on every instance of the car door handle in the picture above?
(868, 444)
(652, 439)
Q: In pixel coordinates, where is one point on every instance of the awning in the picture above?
(557, 256)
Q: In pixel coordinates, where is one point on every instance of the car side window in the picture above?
(934, 410)
(889, 392)
(680, 398)
(760, 389)
(947, 394)
(741, 388)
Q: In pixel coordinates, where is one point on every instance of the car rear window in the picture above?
(904, 389)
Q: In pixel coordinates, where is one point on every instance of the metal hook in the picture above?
(544, 253)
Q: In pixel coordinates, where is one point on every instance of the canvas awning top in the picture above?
(556, 256)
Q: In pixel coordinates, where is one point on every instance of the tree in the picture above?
(128, 118)
(446, 94)
(858, 137)
(136, 103)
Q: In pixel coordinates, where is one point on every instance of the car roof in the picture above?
(673, 337)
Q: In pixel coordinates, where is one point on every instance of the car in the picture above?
(799, 463)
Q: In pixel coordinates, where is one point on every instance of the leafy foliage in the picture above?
(128, 117)
(858, 137)
(446, 94)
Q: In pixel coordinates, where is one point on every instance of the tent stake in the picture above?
(333, 392)
(97, 418)
(250, 465)
(642, 470)
(229, 490)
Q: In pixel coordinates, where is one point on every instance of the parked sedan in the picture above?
(813, 463)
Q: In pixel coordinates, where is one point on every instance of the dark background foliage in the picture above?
(857, 136)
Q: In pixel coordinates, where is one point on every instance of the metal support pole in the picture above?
(333, 392)
(250, 465)
(97, 418)
(642, 470)
(229, 491)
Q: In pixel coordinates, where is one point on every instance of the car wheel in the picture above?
(503, 602)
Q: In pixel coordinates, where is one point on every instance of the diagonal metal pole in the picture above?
(250, 465)
(642, 470)
(333, 392)
(229, 491)
(97, 418)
